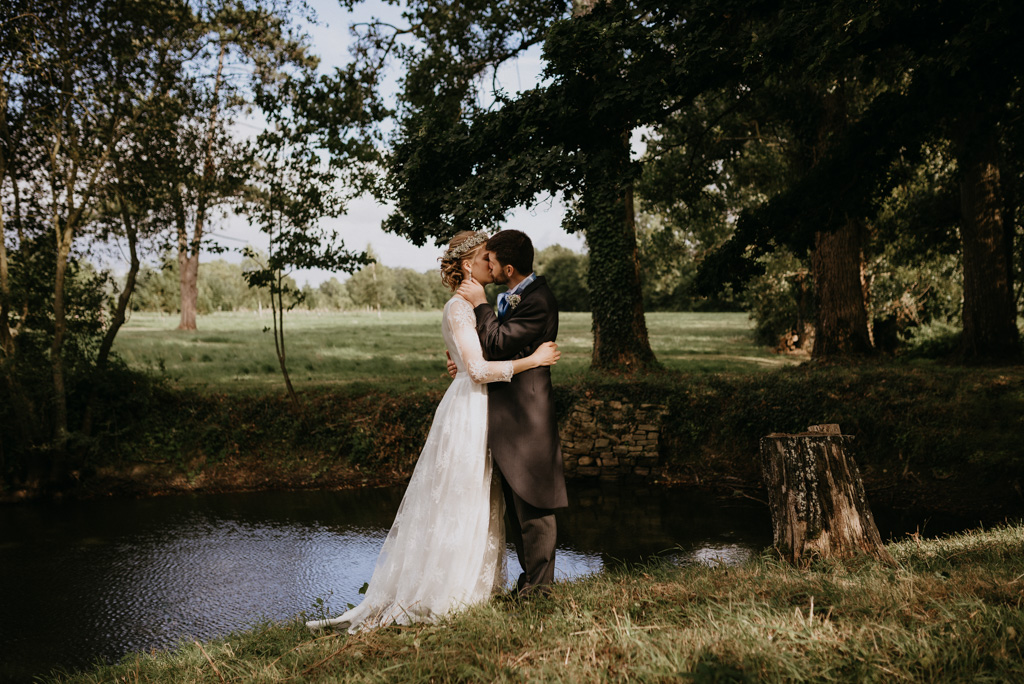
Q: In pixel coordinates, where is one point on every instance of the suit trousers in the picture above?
(533, 531)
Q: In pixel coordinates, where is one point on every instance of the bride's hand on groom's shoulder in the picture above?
(472, 292)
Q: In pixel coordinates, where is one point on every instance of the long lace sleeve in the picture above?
(463, 324)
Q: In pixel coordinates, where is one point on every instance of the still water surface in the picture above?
(81, 581)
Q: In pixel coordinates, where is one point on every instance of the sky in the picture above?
(360, 227)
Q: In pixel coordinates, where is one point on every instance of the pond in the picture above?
(93, 580)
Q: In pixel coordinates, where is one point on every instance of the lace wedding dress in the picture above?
(446, 548)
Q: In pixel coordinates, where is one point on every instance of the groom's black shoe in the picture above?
(509, 597)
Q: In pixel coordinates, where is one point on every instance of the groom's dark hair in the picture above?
(512, 247)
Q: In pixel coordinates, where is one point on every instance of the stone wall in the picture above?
(612, 440)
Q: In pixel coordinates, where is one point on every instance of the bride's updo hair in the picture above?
(463, 246)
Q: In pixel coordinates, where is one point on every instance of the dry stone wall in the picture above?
(612, 440)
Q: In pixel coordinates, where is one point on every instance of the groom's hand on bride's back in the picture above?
(452, 368)
(472, 292)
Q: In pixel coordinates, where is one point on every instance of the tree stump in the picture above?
(816, 496)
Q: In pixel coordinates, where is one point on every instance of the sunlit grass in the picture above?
(232, 350)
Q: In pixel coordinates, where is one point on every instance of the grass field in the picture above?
(231, 351)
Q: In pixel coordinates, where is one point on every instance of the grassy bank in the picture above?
(948, 610)
(927, 437)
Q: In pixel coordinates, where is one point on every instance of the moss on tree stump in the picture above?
(816, 495)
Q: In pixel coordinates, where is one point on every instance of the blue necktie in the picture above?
(502, 305)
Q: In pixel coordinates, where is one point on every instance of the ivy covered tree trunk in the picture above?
(989, 310)
(620, 331)
(841, 312)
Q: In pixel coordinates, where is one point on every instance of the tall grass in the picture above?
(231, 351)
(947, 610)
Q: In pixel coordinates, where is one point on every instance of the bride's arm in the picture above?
(463, 324)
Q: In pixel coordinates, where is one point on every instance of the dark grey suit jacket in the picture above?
(521, 429)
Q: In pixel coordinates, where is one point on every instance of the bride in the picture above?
(446, 548)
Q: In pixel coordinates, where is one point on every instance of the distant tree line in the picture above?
(221, 286)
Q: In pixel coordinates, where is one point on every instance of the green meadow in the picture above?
(234, 352)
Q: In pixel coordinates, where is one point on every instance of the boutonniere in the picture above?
(513, 301)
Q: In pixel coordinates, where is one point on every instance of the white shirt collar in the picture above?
(523, 283)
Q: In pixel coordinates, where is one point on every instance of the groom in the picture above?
(521, 432)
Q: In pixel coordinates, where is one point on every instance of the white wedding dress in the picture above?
(446, 548)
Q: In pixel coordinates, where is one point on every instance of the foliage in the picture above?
(221, 287)
(780, 302)
(117, 125)
(329, 295)
(26, 385)
(874, 103)
(566, 273)
(373, 286)
(463, 156)
(79, 79)
(293, 189)
(669, 257)
(416, 291)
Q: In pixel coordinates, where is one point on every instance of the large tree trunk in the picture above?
(616, 298)
(188, 282)
(842, 319)
(817, 500)
(837, 263)
(989, 311)
(620, 330)
(188, 249)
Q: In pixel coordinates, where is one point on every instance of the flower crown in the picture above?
(454, 253)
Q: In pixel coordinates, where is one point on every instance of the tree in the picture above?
(463, 158)
(373, 285)
(89, 73)
(305, 170)
(332, 293)
(952, 70)
(16, 29)
(238, 45)
(750, 135)
(566, 273)
(419, 291)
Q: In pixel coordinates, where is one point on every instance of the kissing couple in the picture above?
(492, 452)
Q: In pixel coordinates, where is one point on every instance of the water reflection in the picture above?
(88, 580)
